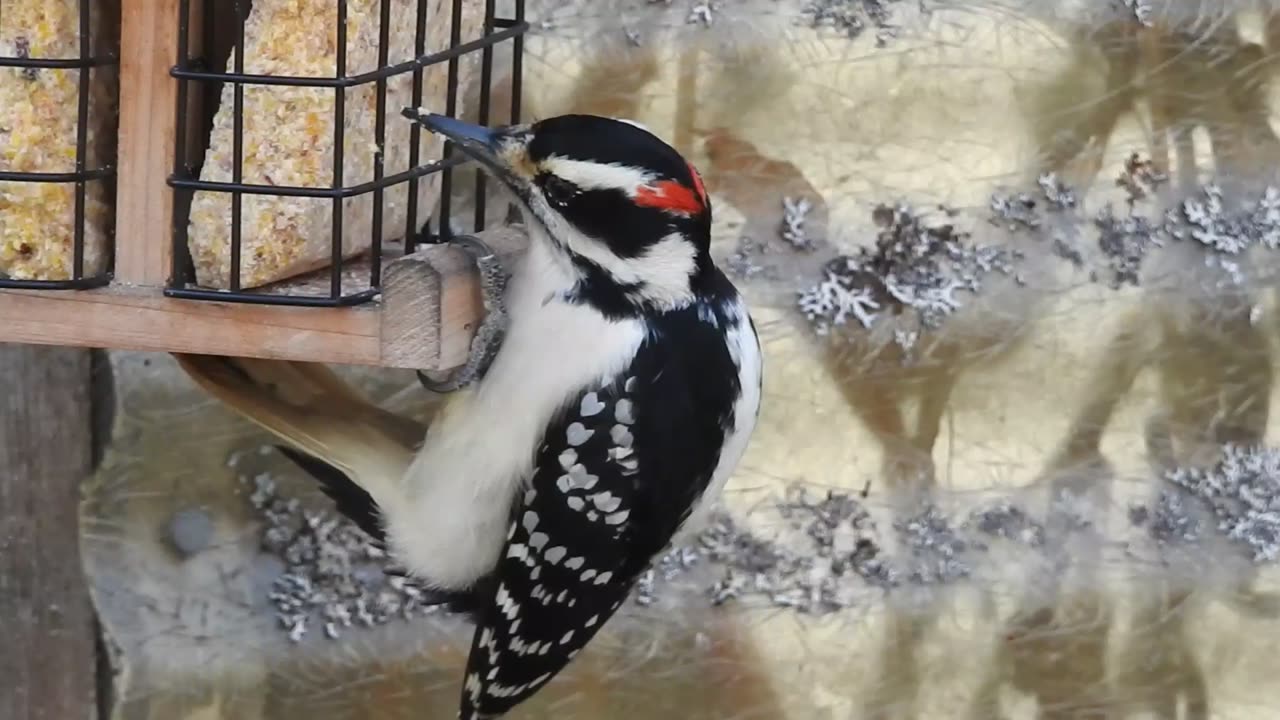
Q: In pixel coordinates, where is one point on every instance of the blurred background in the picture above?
(1014, 266)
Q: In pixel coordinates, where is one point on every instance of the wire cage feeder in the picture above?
(33, 254)
(213, 34)
(236, 177)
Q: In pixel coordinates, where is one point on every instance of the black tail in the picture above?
(351, 499)
(358, 505)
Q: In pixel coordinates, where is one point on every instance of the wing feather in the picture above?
(568, 562)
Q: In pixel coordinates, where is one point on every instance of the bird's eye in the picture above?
(558, 191)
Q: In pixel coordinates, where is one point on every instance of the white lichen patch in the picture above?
(928, 269)
(794, 213)
(1242, 491)
(914, 266)
(825, 552)
(1008, 521)
(828, 555)
(853, 17)
(1142, 11)
(1225, 228)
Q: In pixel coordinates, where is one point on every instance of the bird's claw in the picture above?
(493, 328)
(459, 602)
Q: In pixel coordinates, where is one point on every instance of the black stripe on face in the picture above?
(609, 216)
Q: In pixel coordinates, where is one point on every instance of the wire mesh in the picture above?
(20, 59)
(195, 68)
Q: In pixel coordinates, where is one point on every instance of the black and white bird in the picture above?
(622, 398)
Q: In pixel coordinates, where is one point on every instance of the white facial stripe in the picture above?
(663, 269)
(597, 176)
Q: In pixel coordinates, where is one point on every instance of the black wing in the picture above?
(613, 480)
(566, 567)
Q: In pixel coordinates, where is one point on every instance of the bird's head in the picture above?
(624, 208)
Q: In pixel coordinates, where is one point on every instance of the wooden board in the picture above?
(444, 304)
(148, 96)
(48, 658)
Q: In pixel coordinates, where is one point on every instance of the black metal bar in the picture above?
(313, 192)
(445, 231)
(237, 149)
(178, 250)
(103, 172)
(58, 63)
(82, 146)
(517, 65)
(517, 62)
(452, 53)
(486, 89)
(259, 298)
(415, 132)
(380, 142)
(339, 139)
(185, 180)
(82, 284)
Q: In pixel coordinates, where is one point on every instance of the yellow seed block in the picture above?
(38, 126)
(289, 137)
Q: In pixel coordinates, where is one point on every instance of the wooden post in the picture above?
(48, 649)
(148, 112)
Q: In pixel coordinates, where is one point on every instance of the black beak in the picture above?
(473, 138)
(482, 144)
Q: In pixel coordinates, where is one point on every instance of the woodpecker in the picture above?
(622, 397)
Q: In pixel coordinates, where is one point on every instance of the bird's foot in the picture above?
(493, 328)
(466, 602)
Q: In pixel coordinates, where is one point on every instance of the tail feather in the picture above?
(351, 499)
(339, 433)
(355, 450)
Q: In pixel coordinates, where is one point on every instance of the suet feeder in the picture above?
(235, 177)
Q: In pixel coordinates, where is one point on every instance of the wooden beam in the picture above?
(48, 659)
(122, 318)
(425, 320)
(148, 112)
(432, 304)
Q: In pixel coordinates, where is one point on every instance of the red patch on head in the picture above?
(671, 196)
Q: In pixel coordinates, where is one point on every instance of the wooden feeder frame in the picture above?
(422, 315)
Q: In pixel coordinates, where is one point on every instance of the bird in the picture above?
(623, 396)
